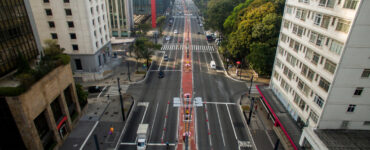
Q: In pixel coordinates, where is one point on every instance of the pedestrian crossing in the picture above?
(113, 90)
(176, 47)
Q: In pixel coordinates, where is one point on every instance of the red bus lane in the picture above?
(186, 115)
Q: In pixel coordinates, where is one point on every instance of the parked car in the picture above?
(94, 89)
(175, 32)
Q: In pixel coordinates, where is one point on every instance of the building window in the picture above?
(51, 24)
(66, 1)
(314, 116)
(70, 24)
(95, 34)
(336, 47)
(68, 12)
(365, 73)
(72, 35)
(291, 59)
(97, 9)
(57, 111)
(303, 87)
(283, 37)
(301, 14)
(97, 44)
(54, 36)
(324, 84)
(93, 22)
(46, 1)
(317, 38)
(351, 108)
(289, 9)
(319, 101)
(327, 3)
(78, 64)
(286, 24)
(358, 91)
(48, 12)
(302, 104)
(307, 72)
(351, 4)
(318, 18)
(75, 47)
(343, 25)
(312, 56)
(288, 73)
(366, 123)
(304, 1)
(330, 66)
(298, 30)
(92, 11)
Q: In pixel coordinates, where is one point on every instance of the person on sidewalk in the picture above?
(167, 145)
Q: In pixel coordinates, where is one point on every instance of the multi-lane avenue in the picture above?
(217, 120)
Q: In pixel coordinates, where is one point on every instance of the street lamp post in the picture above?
(121, 100)
(252, 101)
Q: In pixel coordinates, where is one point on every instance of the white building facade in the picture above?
(120, 18)
(80, 27)
(322, 64)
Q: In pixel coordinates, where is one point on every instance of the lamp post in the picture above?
(252, 101)
(121, 100)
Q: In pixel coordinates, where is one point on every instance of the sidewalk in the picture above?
(101, 115)
(260, 125)
(287, 122)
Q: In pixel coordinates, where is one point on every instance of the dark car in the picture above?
(161, 74)
(198, 32)
(94, 89)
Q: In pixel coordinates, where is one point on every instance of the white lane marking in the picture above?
(219, 121)
(155, 114)
(150, 144)
(88, 136)
(142, 120)
(160, 64)
(164, 70)
(209, 129)
(101, 91)
(232, 123)
(224, 103)
(164, 123)
(206, 61)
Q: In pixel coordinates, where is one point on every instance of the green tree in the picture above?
(144, 28)
(143, 48)
(217, 12)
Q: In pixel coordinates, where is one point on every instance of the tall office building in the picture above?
(16, 35)
(322, 65)
(80, 27)
(120, 17)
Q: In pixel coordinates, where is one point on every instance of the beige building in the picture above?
(46, 113)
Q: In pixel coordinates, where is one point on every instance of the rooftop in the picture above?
(345, 139)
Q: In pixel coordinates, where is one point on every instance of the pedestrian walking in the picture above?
(167, 145)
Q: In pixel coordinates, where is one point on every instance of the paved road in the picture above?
(219, 122)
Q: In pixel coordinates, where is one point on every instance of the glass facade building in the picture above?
(117, 18)
(16, 36)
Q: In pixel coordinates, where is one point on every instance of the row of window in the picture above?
(320, 19)
(48, 1)
(70, 24)
(349, 4)
(310, 55)
(314, 38)
(49, 12)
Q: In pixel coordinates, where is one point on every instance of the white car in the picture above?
(201, 25)
(175, 31)
(168, 38)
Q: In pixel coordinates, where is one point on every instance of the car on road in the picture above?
(94, 89)
(201, 25)
(198, 32)
(160, 74)
(175, 32)
(165, 57)
(212, 64)
(168, 38)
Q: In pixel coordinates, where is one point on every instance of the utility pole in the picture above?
(250, 86)
(121, 100)
(128, 70)
(251, 111)
(96, 142)
(276, 147)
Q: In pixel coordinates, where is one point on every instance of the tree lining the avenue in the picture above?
(249, 30)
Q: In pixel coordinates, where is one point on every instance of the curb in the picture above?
(225, 72)
(245, 123)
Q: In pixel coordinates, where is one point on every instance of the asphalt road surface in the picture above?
(219, 124)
